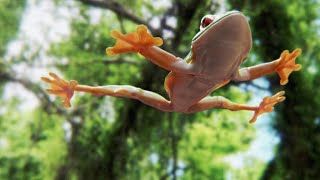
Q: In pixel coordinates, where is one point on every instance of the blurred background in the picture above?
(116, 138)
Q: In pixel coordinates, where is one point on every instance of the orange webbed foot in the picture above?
(287, 64)
(133, 42)
(61, 88)
(267, 105)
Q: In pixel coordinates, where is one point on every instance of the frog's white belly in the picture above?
(187, 90)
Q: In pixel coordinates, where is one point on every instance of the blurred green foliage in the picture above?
(115, 138)
(10, 12)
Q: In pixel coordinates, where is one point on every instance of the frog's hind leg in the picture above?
(221, 102)
(66, 89)
(126, 91)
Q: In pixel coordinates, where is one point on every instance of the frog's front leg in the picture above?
(66, 89)
(221, 102)
(283, 66)
(144, 43)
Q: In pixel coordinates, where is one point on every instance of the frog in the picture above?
(217, 52)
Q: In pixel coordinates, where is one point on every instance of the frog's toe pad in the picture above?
(147, 39)
(133, 42)
(123, 45)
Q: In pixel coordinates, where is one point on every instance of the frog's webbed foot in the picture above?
(133, 42)
(61, 88)
(287, 64)
(267, 105)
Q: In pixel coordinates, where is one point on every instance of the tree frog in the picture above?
(217, 51)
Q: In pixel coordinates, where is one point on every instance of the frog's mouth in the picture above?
(216, 21)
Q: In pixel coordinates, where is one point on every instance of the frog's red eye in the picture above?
(206, 21)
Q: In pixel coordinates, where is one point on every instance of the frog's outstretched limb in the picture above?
(144, 43)
(66, 89)
(221, 102)
(284, 66)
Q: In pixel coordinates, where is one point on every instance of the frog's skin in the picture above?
(217, 52)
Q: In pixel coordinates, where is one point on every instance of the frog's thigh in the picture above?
(218, 102)
(147, 97)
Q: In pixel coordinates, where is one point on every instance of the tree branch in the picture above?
(120, 11)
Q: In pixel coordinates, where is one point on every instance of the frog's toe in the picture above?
(121, 47)
(124, 43)
(146, 39)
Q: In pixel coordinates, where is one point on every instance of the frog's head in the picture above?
(228, 31)
(209, 22)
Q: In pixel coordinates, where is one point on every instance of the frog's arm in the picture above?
(144, 43)
(221, 102)
(283, 66)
